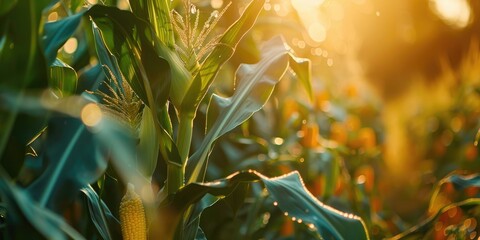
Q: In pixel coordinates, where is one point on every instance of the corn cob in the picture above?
(132, 216)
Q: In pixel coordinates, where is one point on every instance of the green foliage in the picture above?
(289, 194)
(255, 84)
(137, 103)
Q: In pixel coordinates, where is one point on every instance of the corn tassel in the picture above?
(132, 216)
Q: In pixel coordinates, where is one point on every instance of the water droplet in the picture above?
(299, 220)
(214, 14)
(286, 214)
(294, 219)
(311, 226)
(193, 9)
(275, 204)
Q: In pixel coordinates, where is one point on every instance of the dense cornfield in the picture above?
(242, 119)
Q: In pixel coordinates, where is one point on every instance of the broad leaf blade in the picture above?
(290, 195)
(56, 33)
(294, 200)
(255, 83)
(75, 159)
(20, 205)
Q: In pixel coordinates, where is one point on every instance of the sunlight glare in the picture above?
(453, 12)
(306, 3)
(317, 32)
(216, 4)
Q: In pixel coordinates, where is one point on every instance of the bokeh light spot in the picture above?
(91, 114)
(52, 17)
(317, 32)
(70, 46)
(216, 4)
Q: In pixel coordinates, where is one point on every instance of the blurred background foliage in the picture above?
(390, 134)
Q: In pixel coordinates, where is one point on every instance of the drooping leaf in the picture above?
(290, 195)
(459, 182)
(303, 72)
(21, 206)
(441, 203)
(55, 34)
(62, 77)
(420, 230)
(100, 215)
(221, 54)
(255, 83)
(75, 158)
(192, 230)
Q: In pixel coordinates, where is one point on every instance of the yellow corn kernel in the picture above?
(132, 216)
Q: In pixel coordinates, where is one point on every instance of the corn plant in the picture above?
(127, 97)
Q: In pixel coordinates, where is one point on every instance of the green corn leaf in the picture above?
(100, 215)
(6, 6)
(21, 206)
(148, 147)
(255, 83)
(158, 14)
(437, 208)
(90, 78)
(459, 181)
(55, 34)
(220, 54)
(421, 230)
(136, 56)
(74, 157)
(157, 87)
(62, 77)
(289, 195)
(105, 57)
(21, 64)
